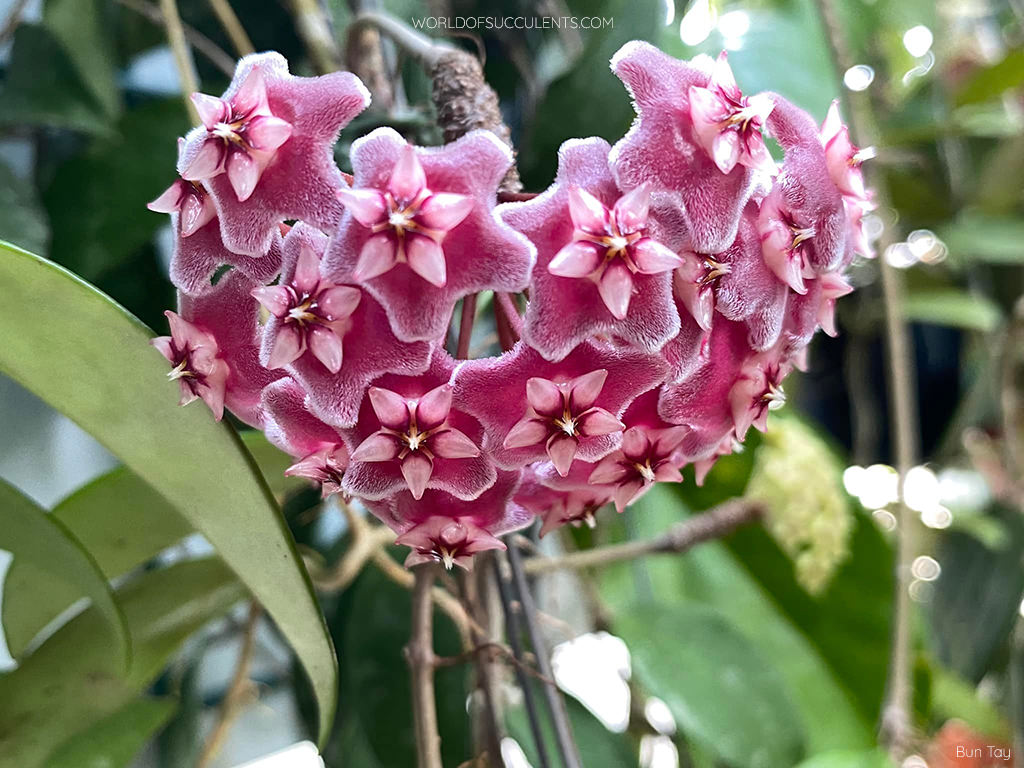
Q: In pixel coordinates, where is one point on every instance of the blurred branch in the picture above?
(182, 55)
(204, 45)
(405, 37)
(715, 523)
(896, 729)
(420, 655)
(239, 691)
(12, 20)
(315, 31)
(232, 27)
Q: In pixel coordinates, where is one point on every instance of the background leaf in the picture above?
(70, 683)
(115, 386)
(721, 690)
(45, 546)
(115, 740)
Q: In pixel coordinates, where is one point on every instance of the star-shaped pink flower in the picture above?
(368, 348)
(664, 148)
(323, 455)
(844, 160)
(599, 270)
(421, 232)
(195, 364)
(265, 149)
(649, 454)
(442, 528)
(534, 410)
(806, 211)
(411, 435)
(575, 506)
(230, 314)
(737, 283)
(728, 124)
(310, 312)
(198, 251)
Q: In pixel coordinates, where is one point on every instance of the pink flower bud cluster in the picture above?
(673, 281)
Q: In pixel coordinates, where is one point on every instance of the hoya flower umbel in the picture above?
(242, 136)
(609, 246)
(785, 241)
(646, 457)
(408, 220)
(452, 541)
(728, 124)
(414, 432)
(312, 314)
(559, 414)
(194, 363)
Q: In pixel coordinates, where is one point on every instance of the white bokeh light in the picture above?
(594, 668)
(921, 489)
(697, 23)
(918, 40)
(859, 77)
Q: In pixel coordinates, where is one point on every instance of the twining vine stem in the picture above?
(200, 42)
(896, 728)
(232, 27)
(182, 55)
(420, 654)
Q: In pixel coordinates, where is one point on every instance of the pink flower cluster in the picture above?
(673, 281)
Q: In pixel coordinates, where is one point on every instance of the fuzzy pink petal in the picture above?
(453, 444)
(211, 109)
(243, 173)
(340, 301)
(630, 212)
(426, 259)
(445, 210)
(433, 408)
(544, 397)
(276, 298)
(326, 347)
(725, 150)
(378, 256)
(584, 390)
(608, 470)
(208, 161)
(287, 346)
(652, 257)
(578, 259)
(588, 213)
(391, 408)
(562, 450)
(367, 206)
(528, 431)
(616, 288)
(416, 469)
(377, 447)
(597, 421)
(268, 133)
(407, 178)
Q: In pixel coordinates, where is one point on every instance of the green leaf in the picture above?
(599, 747)
(117, 739)
(22, 219)
(954, 697)
(97, 199)
(44, 544)
(990, 82)
(91, 360)
(272, 462)
(71, 683)
(722, 691)
(96, 515)
(874, 758)
(83, 28)
(992, 239)
(953, 307)
(43, 86)
(712, 575)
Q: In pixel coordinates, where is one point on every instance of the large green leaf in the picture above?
(97, 515)
(712, 575)
(992, 239)
(953, 307)
(874, 758)
(116, 740)
(22, 219)
(82, 353)
(47, 547)
(71, 683)
(723, 692)
(989, 82)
